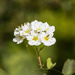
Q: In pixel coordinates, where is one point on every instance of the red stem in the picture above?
(39, 57)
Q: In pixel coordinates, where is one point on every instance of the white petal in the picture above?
(30, 43)
(20, 41)
(34, 42)
(15, 33)
(33, 22)
(47, 43)
(21, 33)
(52, 41)
(28, 23)
(33, 33)
(29, 37)
(14, 40)
(43, 34)
(52, 28)
(50, 35)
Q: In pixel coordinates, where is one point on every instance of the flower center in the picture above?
(35, 38)
(47, 29)
(21, 37)
(46, 38)
(27, 31)
(39, 29)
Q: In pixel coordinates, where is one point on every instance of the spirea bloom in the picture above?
(34, 38)
(36, 33)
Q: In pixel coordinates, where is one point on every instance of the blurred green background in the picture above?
(21, 60)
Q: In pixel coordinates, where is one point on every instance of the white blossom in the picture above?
(38, 26)
(33, 39)
(47, 40)
(46, 26)
(36, 33)
(51, 29)
(25, 30)
(16, 31)
(19, 39)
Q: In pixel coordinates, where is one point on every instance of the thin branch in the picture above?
(39, 57)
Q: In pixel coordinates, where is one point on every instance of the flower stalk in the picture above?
(39, 57)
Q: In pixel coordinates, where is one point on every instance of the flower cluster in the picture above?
(36, 33)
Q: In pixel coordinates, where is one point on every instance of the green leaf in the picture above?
(69, 67)
(2, 72)
(50, 64)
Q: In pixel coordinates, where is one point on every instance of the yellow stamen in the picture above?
(39, 29)
(46, 29)
(46, 38)
(27, 31)
(35, 38)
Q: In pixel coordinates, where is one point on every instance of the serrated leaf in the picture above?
(50, 64)
(69, 67)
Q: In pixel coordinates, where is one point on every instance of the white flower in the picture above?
(38, 26)
(33, 39)
(47, 39)
(36, 33)
(51, 29)
(25, 30)
(19, 39)
(16, 31)
(46, 26)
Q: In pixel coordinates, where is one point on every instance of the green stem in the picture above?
(42, 47)
(39, 57)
